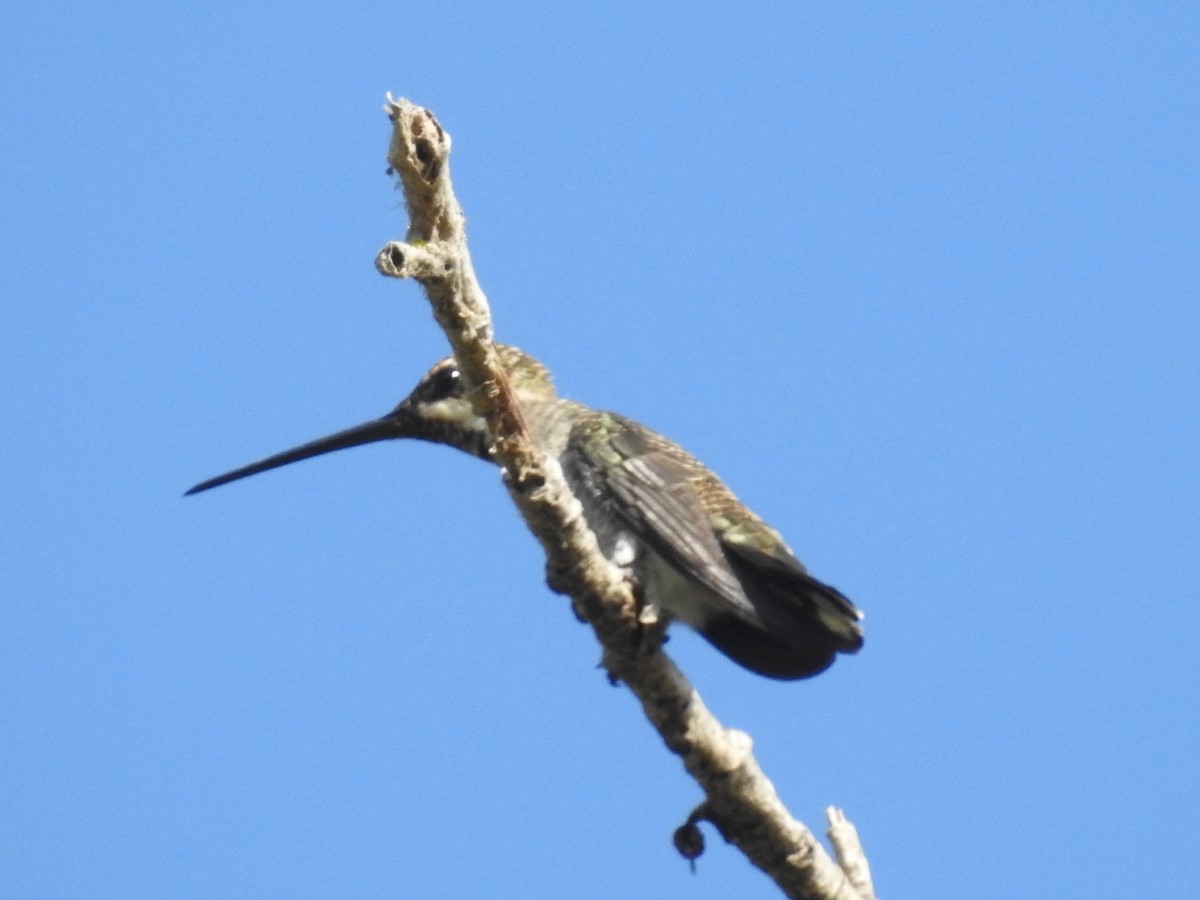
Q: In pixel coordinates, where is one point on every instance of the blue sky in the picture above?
(920, 284)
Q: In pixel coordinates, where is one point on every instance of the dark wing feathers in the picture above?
(780, 566)
(654, 495)
(697, 525)
(785, 578)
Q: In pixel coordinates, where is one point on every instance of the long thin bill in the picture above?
(390, 426)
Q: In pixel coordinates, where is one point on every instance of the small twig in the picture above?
(848, 849)
(739, 799)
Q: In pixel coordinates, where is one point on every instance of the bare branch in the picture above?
(739, 799)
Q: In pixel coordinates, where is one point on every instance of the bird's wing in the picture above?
(776, 570)
(690, 519)
(643, 480)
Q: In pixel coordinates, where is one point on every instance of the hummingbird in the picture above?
(698, 554)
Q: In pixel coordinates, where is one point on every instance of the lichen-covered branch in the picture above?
(739, 799)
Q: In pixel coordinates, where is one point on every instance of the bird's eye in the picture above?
(446, 382)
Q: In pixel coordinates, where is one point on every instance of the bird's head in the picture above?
(438, 409)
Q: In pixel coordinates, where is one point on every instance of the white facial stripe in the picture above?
(449, 409)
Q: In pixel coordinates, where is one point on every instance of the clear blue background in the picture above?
(921, 284)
